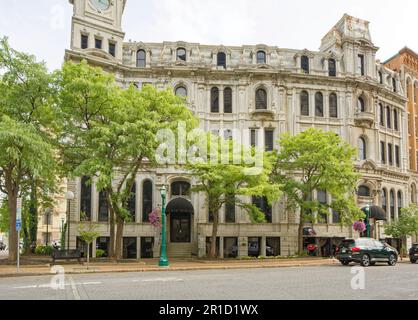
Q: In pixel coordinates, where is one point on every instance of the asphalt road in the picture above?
(323, 282)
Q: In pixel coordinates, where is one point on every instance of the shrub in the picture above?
(100, 253)
(44, 250)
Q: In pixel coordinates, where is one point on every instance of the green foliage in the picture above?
(44, 250)
(406, 225)
(100, 253)
(4, 216)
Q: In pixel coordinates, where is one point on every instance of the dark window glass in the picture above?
(221, 59)
(254, 246)
(304, 103)
(304, 64)
(132, 203)
(332, 68)
(335, 217)
(129, 248)
(360, 64)
(84, 41)
(382, 115)
(230, 247)
(141, 59)
(146, 200)
(388, 118)
(384, 200)
(361, 105)
(181, 54)
(230, 208)
(400, 204)
(382, 152)
(394, 84)
(380, 77)
(261, 99)
(181, 91)
(273, 246)
(211, 213)
(390, 153)
(98, 43)
(180, 188)
(103, 207)
(364, 191)
(268, 140)
(397, 157)
(395, 119)
(228, 100)
(319, 104)
(112, 49)
(214, 100)
(333, 105)
(322, 199)
(253, 137)
(85, 199)
(262, 204)
(261, 57)
(362, 149)
(392, 204)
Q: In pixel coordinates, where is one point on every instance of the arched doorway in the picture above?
(179, 211)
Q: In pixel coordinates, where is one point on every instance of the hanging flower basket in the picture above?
(359, 226)
(155, 218)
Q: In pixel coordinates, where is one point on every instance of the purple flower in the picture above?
(359, 226)
(154, 218)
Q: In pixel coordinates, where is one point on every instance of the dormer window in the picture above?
(304, 64)
(332, 68)
(181, 54)
(261, 57)
(221, 60)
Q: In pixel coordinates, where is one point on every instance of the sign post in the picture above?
(18, 227)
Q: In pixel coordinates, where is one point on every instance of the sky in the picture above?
(43, 27)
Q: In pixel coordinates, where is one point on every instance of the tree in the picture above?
(26, 120)
(406, 225)
(311, 161)
(230, 182)
(109, 134)
(88, 234)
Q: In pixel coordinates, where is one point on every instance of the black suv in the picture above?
(413, 253)
(366, 251)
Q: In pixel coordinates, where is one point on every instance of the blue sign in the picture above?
(18, 225)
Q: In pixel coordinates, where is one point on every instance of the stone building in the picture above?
(259, 92)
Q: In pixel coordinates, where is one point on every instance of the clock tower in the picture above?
(97, 28)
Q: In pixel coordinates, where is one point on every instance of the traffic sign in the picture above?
(18, 225)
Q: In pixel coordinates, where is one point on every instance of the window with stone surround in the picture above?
(262, 204)
(397, 157)
(361, 105)
(214, 100)
(230, 208)
(319, 104)
(227, 100)
(85, 199)
(261, 57)
(304, 103)
(362, 148)
(221, 60)
(332, 68)
(333, 105)
(382, 115)
(360, 64)
(388, 118)
(141, 59)
(103, 207)
(147, 195)
(84, 41)
(132, 203)
(390, 154)
(260, 99)
(382, 152)
(181, 54)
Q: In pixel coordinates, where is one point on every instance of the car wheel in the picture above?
(365, 260)
(345, 263)
(392, 260)
(413, 261)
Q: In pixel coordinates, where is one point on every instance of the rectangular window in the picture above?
(98, 43)
(112, 49)
(253, 137)
(230, 208)
(268, 140)
(382, 152)
(397, 157)
(390, 153)
(360, 64)
(84, 41)
(230, 247)
(47, 219)
(273, 246)
(322, 199)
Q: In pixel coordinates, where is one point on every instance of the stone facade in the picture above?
(337, 88)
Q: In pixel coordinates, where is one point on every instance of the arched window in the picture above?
(85, 199)
(364, 191)
(362, 148)
(147, 195)
(181, 91)
(332, 68)
(361, 105)
(333, 105)
(141, 59)
(103, 207)
(180, 188)
(382, 115)
(395, 119)
(392, 205)
(214, 99)
(388, 118)
(304, 64)
(228, 100)
(304, 103)
(319, 104)
(181, 54)
(132, 203)
(261, 99)
(384, 200)
(221, 59)
(400, 204)
(262, 204)
(261, 57)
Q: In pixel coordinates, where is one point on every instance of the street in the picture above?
(317, 282)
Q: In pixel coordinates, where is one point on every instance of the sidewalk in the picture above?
(152, 265)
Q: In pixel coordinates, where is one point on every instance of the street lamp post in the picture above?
(69, 196)
(47, 214)
(163, 256)
(367, 221)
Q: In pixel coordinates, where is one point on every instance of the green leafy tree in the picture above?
(317, 160)
(88, 233)
(231, 181)
(110, 133)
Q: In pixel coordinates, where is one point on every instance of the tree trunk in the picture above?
(212, 252)
(111, 249)
(300, 235)
(88, 255)
(119, 238)
(33, 215)
(12, 192)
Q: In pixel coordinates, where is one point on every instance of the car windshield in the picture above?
(348, 243)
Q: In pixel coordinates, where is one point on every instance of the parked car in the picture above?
(413, 253)
(56, 244)
(367, 252)
(2, 246)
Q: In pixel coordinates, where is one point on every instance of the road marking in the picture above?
(72, 283)
(159, 280)
(74, 289)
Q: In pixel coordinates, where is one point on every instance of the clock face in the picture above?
(100, 4)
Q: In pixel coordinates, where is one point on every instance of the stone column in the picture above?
(242, 246)
(263, 251)
(138, 247)
(221, 247)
